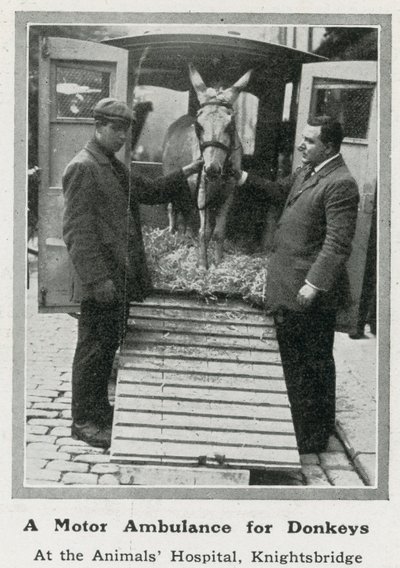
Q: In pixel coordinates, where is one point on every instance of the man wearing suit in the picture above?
(103, 235)
(307, 281)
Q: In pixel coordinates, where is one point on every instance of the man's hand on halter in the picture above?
(193, 168)
(237, 172)
(239, 175)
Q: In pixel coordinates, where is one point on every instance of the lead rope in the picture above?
(125, 308)
(199, 174)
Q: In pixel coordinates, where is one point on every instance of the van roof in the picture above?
(216, 56)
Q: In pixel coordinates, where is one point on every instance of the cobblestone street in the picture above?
(54, 458)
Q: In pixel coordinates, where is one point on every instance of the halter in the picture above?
(215, 143)
(227, 166)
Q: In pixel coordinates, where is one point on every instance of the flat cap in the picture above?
(113, 110)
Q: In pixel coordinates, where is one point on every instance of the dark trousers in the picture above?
(100, 331)
(306, 346)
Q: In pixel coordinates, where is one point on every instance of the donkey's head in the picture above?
(215, 123)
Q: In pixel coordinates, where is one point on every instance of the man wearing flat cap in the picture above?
(102, 232)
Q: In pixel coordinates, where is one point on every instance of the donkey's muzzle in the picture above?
(213, 171)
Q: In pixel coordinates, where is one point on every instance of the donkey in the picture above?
(211, 134)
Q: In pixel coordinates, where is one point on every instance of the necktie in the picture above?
(309, 173)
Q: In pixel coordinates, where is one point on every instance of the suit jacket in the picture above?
(101, 226)
(314, 234)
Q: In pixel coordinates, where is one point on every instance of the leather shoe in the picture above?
(92, 434)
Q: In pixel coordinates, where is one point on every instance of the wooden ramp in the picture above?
(202, 385)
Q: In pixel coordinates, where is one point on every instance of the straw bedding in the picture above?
(173, 263)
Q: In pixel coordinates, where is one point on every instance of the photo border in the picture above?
(22, 19)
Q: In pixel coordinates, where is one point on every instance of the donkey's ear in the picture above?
(198, 83)
(232, 93)
(242, 82)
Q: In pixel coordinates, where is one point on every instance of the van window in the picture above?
(78, 89)
(349, 102)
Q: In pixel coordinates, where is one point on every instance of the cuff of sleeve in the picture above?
(315, 287)
(243, 178)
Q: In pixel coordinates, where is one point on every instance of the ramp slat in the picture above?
(228, 454)
(189, 363)
(203, 352)
(141, 335)
(209, 461)
(214, 423)
(200, 314)
(205, 408)
(195, 302)
(208, 328)
(204, 436)
(202, 380)
(183, 392)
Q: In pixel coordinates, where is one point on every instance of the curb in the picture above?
(355, 457)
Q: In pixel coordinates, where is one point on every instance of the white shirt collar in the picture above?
(322, 164)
